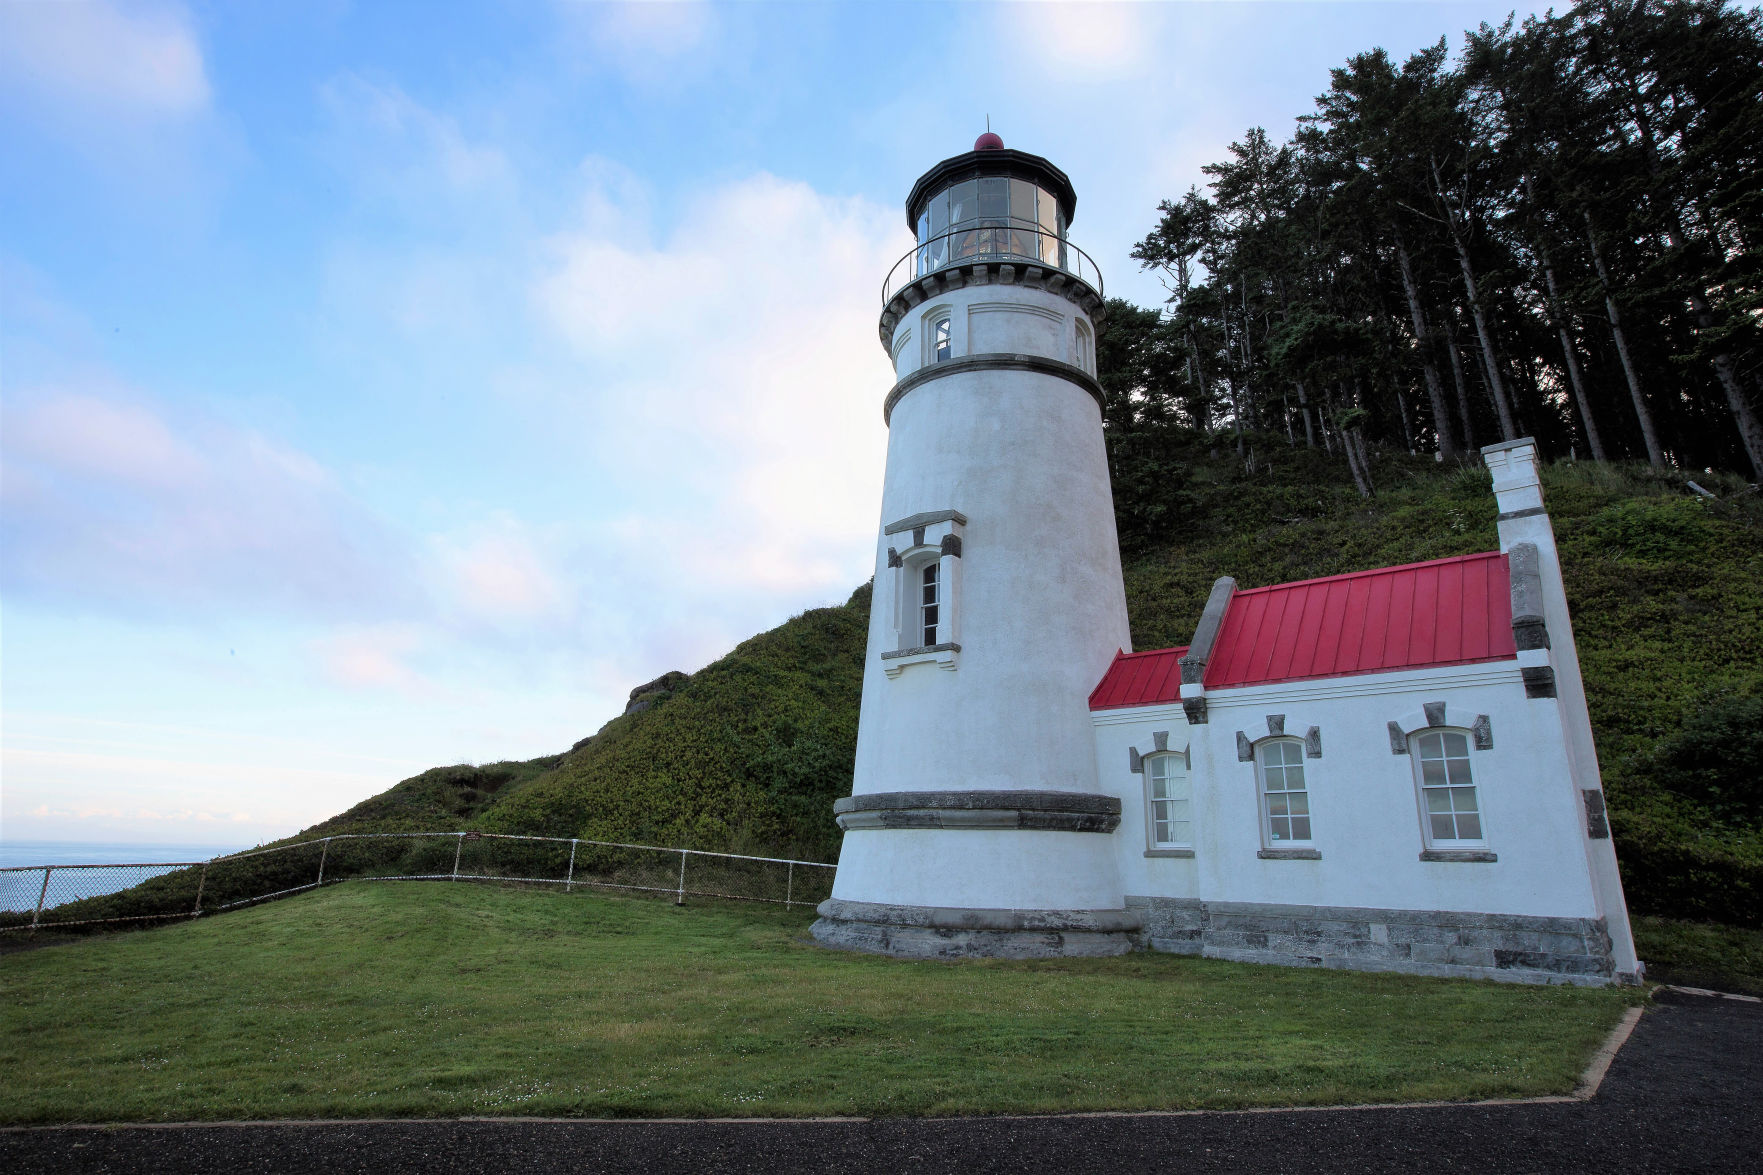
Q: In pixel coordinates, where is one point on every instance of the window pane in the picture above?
(1159, 788)
(1442, 827)
(994, 197)
(1438, 799)
(1160, 831)
(1432, 773)
(1294, 776)
(1276, 805)
(1178, 832)
(1049, 212)
(1458, 770)
(1177, 809)
(1300, 803)
(938, 212)
(1469, 827)
(924, 229)
(1463, 799)
(963, 202)
(1456, 746)
(1300, 828)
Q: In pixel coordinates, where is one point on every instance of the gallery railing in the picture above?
(1003, 241)
(47, 897)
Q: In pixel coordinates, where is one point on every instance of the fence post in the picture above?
(790, 885)
(325, 852)
(41, 895)
(569, 879)
(680, 898)
(458, 847)
(201, 883)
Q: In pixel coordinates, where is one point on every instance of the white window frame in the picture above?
(1415, 747)
(929, 627)
(1262, 795)
(1084, 346)
(1168, 762)
(935, 317)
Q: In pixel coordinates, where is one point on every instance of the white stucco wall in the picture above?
(1042, 612)
(992, 318)
(1363, 798)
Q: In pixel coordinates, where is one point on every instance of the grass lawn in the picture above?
(431, 999)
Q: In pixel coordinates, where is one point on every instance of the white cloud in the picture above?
(743, 362)
(129, 61)
(1097, 39)
(497, 574)
(107, 498)
(373, 657)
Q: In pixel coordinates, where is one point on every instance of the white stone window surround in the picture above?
(931, 537)
(1287, 822)
(939, 335)
(1406, 735)
(1279, 811)
(1169, 801)
(1083, 352)
(1167, 761)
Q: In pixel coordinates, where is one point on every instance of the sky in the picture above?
(386, 385)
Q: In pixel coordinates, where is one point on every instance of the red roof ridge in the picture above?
(1123, 655)
(1270, 587)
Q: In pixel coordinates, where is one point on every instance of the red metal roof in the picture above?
(1446, 612)
(1140, 679)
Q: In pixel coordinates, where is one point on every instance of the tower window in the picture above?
(942, 344)
(928, 603)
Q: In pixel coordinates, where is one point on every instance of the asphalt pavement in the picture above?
(1684, 1094)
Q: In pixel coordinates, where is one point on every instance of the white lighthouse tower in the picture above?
(976, 824)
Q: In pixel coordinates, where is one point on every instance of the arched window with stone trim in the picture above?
(1285, 793)
(1450, 806)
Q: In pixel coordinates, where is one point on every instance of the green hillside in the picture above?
(748, 754)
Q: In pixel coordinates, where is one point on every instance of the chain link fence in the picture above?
(34, 897)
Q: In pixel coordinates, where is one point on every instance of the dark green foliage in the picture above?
(1716, 759)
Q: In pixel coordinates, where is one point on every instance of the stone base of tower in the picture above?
(933, 932)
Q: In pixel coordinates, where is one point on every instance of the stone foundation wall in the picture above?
(1510, 947)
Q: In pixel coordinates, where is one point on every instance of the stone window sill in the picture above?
(1187, 854)
(1289, 855)
(943, 656)
(1458, 855)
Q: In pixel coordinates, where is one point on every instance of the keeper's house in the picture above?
(1388, 770)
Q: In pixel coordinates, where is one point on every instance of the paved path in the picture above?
(1685, 1094)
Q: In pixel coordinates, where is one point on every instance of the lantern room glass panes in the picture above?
(1284, 797)
(993, 216)
(1447, 789)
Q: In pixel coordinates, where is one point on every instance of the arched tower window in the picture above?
(941, 342)
(929, 601)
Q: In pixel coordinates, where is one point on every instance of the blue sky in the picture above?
(386, 385)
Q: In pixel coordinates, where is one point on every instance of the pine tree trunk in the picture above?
(1435, 391)
(1304, 410)
(1655, 454)
(1496, 386)
(1463, 416)
(1571, 354)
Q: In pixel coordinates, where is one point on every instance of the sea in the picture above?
(20, 890)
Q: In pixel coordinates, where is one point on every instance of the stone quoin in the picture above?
(1387, 770)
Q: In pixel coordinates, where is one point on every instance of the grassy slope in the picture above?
(430, 999)
(750, 753)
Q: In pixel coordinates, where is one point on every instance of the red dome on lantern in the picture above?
(988, 142)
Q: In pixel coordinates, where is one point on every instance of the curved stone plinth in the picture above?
(932, 932)
(1042, 811)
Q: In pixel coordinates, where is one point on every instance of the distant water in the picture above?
(19, 891)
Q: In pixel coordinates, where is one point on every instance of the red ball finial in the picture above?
(988, 142)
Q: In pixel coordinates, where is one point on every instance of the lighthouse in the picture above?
(976, 824)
